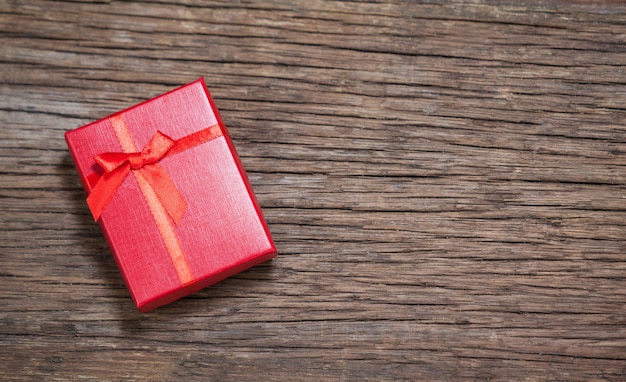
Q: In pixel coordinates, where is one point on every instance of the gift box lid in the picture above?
(221, 229)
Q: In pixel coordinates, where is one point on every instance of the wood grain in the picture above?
(445, 182)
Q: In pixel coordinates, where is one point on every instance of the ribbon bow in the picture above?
(146, 165)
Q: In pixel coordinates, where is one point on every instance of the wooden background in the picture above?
(445, 183)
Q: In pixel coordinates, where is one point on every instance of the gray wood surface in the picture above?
(445, 183)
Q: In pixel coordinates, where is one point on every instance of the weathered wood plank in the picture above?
(445, 182)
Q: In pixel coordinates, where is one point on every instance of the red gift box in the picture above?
(168, 189)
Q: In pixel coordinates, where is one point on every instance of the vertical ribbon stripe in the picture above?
(167, 231)
(123, 134)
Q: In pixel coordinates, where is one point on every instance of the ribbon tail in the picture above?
(105, 189)
(165, 189)
(195, 139)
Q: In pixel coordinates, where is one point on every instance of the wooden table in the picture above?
(445, 182)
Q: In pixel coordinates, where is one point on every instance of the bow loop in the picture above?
(111, 161)
(156, 149)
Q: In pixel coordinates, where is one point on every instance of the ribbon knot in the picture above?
(137, 161)
(145, 164)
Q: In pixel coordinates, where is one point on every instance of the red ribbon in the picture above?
(117, 165)
(158, 189)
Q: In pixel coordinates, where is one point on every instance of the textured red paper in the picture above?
(222, 231)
